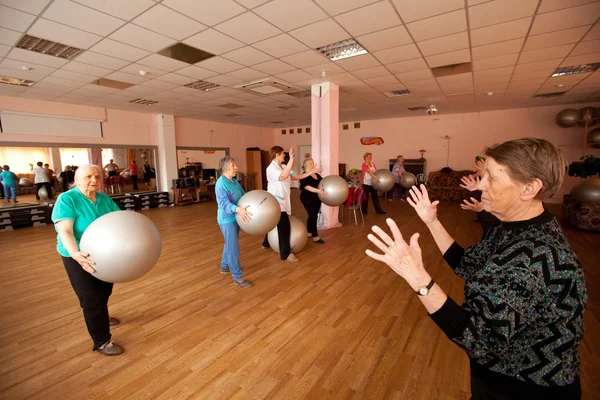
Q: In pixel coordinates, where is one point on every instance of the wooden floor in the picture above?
(337, 325)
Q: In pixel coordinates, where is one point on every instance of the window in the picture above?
(19, 158)
(74, 156)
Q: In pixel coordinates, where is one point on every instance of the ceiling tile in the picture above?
(119, 8)
(176, 79)
(36, 58)
(294, 76)
(553, 39)
(35, 68)
(74, 76)
(4, 50)
(14, 19)
(158, 84)
(453, 79)
(380, 16)
(119, 50)
(495, 62)
(213, 42)
(142, 38)
(382, 80)
(220, 65)
(396, 54)
(247, 74)
(122, 76)
(248, 28)
(63, 82)
(247, 56)
(359, 62)
(441, 25)
(414, 76)
(340, 79)
(538, 66)
(163, 63)
(330, 68)
(273, 67)
(373, 72)
(9, 37)
(594, 33)
(280, 46)
(567, 18)
(305, 59)
(335, 7)
(75, 15)
(300, 12)
(51, 30)
(582, 59)
(501, 32)
(224, 80)
(497, 49)
(209, 12)
(408, 66)
(193, 71)
(455, 57)
(251, 3)
(392, 37)
(493, 73)
(30, 6)
(320, 33)
(87, 69)
(553, 5)
(92, 58)
(168, 22)
(14, 73)
(496, 12)
(444, 44)
(413, 10)
(135, 69)
(591, 46)
(545, 54)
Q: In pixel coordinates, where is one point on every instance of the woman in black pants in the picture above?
(309, 196)
(368, 177)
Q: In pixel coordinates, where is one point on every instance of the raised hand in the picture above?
(317, 170)
(292, 152)
(473, 206)
(469, 183)
(419, 200)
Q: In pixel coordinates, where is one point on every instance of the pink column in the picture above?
(325, 101)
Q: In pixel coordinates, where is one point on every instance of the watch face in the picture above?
(423, 291)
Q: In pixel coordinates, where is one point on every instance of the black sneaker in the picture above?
(243, 283)
(225, 271)
(112, 321)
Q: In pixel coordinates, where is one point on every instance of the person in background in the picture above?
(41, 179)
(10, 181)
(398, 172)
(68, 178)
(368, 177)
(1, 185)
(133, 170)
(309, 196)
(72, 213)
(111, 168)
(521, 321)
(149, 173)
(228, 192)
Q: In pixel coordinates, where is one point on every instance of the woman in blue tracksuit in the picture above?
(228, 192)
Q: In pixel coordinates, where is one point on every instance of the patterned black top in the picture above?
(522, 318)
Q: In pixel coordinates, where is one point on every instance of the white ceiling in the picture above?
(514, 45)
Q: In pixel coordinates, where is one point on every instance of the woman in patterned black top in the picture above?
(522, 318)
(309, 196)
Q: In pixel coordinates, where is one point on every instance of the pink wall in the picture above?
(198, 133)
(469, 134)
(118, 127)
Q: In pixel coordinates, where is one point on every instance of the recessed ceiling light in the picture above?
(560, 85)
(490, 93)
(25, 68)
(48, 47)
(143, 73)
(204, 86)
(576, 69)
(233, 115)
(144, 102)
(340, 50)
(15, 81)
(397, 93)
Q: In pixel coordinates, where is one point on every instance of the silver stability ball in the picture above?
(587, 113)
(127, 174)
(25, 182)
(593, 138)
(298, 236)
(124, 244)
(408, 180)
(587, 191)
(386, 180)
(336, 190)
(265, 211)
(43, 193)
(568, 118)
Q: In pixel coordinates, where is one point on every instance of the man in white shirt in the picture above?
(111, 168)
(41, 179)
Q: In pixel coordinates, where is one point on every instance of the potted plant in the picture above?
(587, 191)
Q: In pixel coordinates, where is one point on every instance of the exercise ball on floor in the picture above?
(587, 113)
(386, 180)
(43, 193)
(265, 211)
(568, 118)
(25, 182)
(124, 244)
(593, 138)
(336, 190)
(408, 180)
(126, 174)
(298, 236)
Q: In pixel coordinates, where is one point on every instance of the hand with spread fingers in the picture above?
(475, 205)
(469, 182)
(425, 208)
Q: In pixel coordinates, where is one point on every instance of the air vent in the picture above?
(265, 86)
(144, 102)
(276, 122)
(231, 106)
(344, 49)
(576, 69)
(292, 107)
(302, 94)
(187, 54)
(204, 86)
(419, 108)
(397, 93)
(7, 80)
(548, 95)
(233, 115)
(48, 47)
(109, 83)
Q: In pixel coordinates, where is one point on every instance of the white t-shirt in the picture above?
(41, 175)
(280, 188)
(368, 179)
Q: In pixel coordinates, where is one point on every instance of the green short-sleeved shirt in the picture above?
(73, 205)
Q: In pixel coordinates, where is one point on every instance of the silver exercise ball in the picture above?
(127, 174)
(336, 190)
(43, 193)
(124, 244)
(408, 180)
(298, 236)
(587, 113)
(568, 118)
(386, 180)
(593, 138)
(587, 191)
(25, 182)
(265, 211)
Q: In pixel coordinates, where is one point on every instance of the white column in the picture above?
(54, 159)
(166, 170)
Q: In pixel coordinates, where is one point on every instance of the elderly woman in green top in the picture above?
(73, 212)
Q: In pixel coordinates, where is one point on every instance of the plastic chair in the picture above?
(115, 182)
(357, 206)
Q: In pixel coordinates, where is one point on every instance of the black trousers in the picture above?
(93, 297)
(48, 187)
(112, 173)
(134, 181)
(1, 191)
(370, 190)
(312, 207)
(283, 234)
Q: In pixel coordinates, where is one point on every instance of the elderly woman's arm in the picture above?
(65, 231)
(225, 203)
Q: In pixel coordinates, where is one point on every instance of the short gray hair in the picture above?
(306, 160)
(80, 169)
(225, 163)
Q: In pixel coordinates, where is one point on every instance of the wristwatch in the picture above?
(424, 290)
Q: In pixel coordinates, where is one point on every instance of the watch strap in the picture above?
(428, 287)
